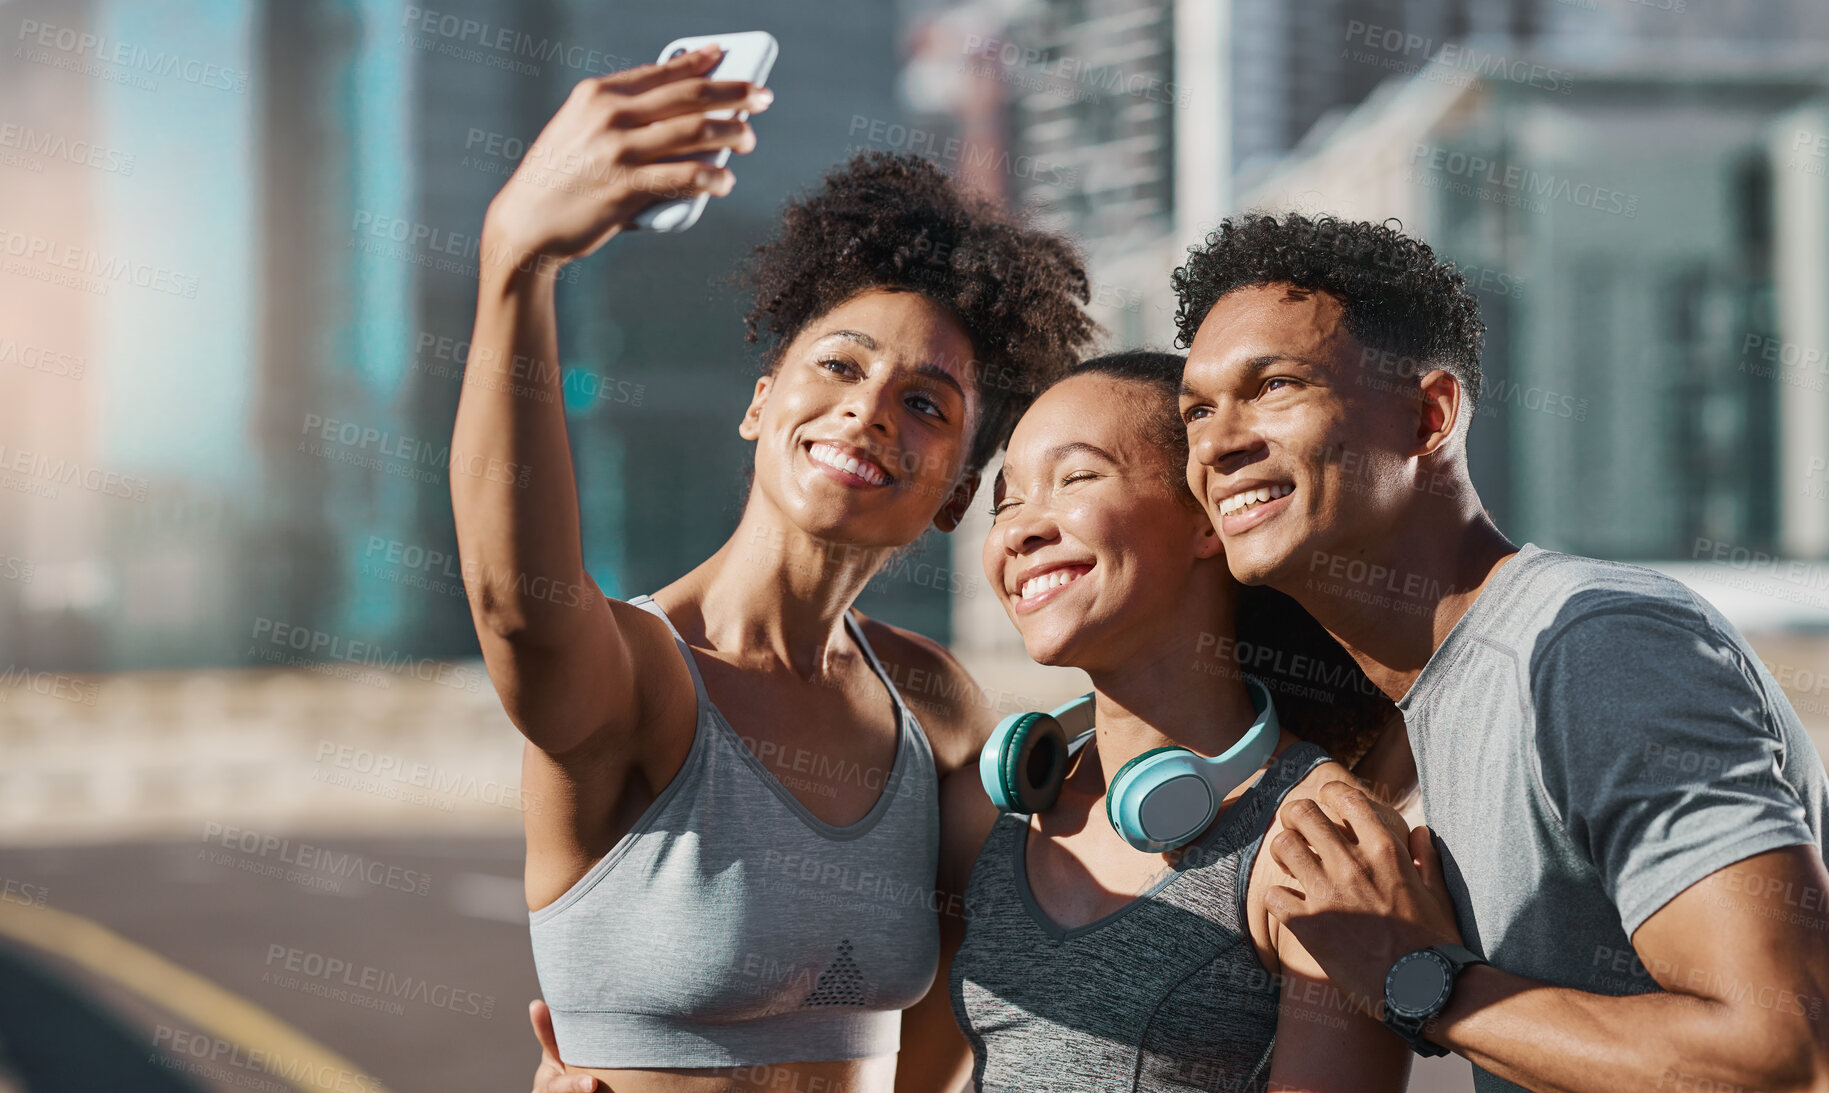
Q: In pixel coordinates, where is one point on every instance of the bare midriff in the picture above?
(873, 1075)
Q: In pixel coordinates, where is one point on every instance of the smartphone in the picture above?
(747, 56)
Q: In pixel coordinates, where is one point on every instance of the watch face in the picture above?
(1418, 984)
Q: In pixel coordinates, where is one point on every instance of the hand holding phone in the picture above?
(617, 144)
(746, 56)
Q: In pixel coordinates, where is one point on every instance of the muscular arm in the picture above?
(538, 615)
(559, 653)
(1743, 957)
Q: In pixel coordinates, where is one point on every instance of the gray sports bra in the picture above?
(732, 927)
(1165, 993)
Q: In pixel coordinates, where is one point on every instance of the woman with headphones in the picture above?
(1109, 855)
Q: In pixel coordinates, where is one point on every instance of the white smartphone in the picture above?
(747, 56)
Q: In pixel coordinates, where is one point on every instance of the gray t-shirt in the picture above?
(1592, 739)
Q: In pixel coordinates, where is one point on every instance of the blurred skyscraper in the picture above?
(1170, 114)
(266, 428)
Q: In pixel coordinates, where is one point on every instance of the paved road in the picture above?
(397, 955)
(402, 963)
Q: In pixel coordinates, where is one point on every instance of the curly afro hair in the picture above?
(886, 221)
(1398, 297)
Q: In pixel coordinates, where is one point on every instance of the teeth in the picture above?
(1244, 499)
(1035, 586)
(862, 468)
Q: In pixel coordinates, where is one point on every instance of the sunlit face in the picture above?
(864, 428)
(1296, 447)
(1089, 548)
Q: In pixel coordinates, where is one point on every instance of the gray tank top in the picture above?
(1165, 993)
(732, 927)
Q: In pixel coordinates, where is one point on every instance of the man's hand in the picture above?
(551, 1077)
(1370, 889)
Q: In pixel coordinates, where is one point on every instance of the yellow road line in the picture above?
(287, 1054)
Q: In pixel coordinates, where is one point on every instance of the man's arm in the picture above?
(1744, 972)
(1743, 957)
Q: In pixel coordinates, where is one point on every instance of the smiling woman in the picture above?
(1096, 955)
(735, 888)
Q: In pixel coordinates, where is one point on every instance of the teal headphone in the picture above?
(1162, 799)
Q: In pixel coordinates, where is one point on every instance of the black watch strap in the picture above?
(1456, 957)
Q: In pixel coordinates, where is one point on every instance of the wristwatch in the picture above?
(1417, 988)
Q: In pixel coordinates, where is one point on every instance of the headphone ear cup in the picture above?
(1159, 804)
(1024, 763)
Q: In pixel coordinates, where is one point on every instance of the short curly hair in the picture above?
(1398, 297)
(889, 221)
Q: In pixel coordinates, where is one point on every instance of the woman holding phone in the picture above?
(731, 886)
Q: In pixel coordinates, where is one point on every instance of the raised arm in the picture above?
(558, 652)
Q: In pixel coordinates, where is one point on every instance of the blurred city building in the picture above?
(1653, 395)
(253, 442)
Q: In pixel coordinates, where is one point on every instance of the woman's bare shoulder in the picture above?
(942, 695)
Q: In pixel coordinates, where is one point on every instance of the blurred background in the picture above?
(259, 806)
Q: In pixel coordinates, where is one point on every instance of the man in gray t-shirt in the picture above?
(1622, 885)
(1630, 746)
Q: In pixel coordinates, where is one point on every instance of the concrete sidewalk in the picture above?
(338, 749)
